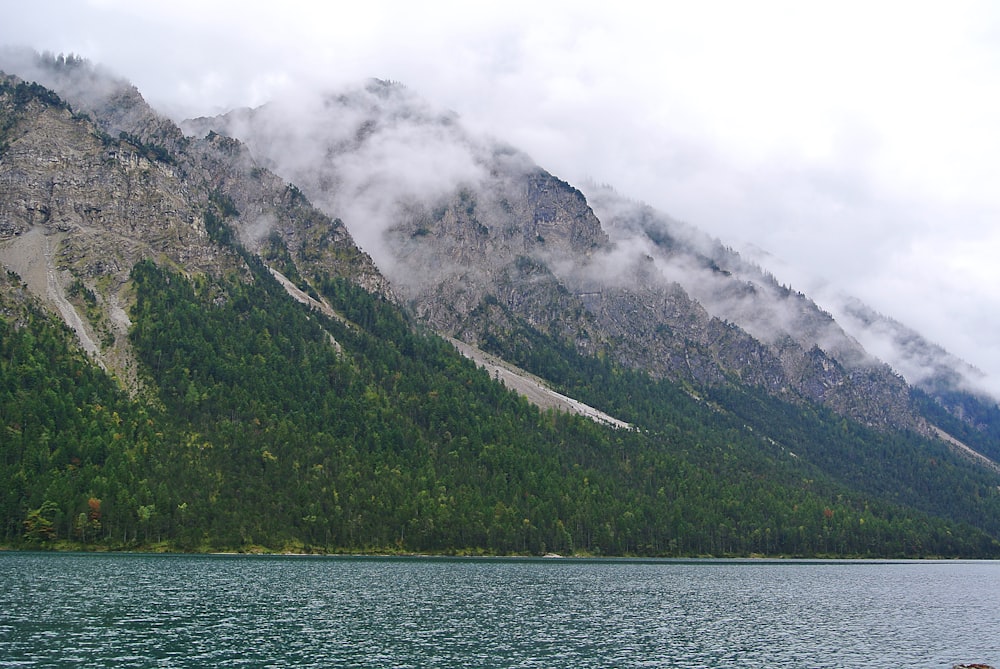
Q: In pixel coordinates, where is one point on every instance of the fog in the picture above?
(366, 153)
(854, 144)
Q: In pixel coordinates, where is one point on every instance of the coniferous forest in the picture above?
(267, 426)
(256, 423)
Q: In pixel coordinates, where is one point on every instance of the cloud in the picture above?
(728, 286)
(848, 139)
(366, 155)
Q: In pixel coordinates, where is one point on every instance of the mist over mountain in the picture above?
(250, 350)
(463, 224)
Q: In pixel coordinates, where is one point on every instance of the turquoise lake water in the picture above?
(99, 610)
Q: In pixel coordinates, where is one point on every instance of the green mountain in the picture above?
(195, 357)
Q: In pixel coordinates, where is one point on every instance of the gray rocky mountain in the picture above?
(339, 422)
(473, 236)
(84, 200)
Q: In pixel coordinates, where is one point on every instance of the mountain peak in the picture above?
(287, 388)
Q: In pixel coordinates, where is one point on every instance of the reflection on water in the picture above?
(208, 611)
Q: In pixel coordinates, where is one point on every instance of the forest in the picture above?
(259, 424)
(266, 426)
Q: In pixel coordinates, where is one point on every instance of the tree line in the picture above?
(260, 432)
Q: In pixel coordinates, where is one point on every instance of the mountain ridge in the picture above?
(284, 391)
(792, 346)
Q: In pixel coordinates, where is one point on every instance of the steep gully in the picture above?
(530, 387)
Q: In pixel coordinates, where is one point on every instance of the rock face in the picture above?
(81, 205)
(493, 240)
(741, 323)
(474, 239)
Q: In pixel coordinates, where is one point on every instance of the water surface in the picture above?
(208, 611)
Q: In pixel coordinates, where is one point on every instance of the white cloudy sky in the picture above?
(856, 141)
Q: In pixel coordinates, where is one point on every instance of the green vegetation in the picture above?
(86, 300)
(263, 433)
(981, 427)
(827, 452)
(23, 93)
(150, 151)
(20, 94)
(69, 435)
(264, 425)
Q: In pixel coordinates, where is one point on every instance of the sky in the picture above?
(852, 144)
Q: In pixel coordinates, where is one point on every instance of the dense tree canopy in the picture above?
(269, 425)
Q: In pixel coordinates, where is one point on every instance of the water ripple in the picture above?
(209, 611)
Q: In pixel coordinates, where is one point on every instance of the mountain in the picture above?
(473, 233)
(196, 354)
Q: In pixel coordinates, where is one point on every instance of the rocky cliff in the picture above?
(84, 200)
(254, 421)
(492, 237)
(474, 239)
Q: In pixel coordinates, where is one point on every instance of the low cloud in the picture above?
(726, 284)
(845, 139)
(366, 155)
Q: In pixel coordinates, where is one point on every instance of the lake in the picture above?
(124, 610)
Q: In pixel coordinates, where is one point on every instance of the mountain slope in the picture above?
(326, 415)
(469, 231)
(81, 207)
